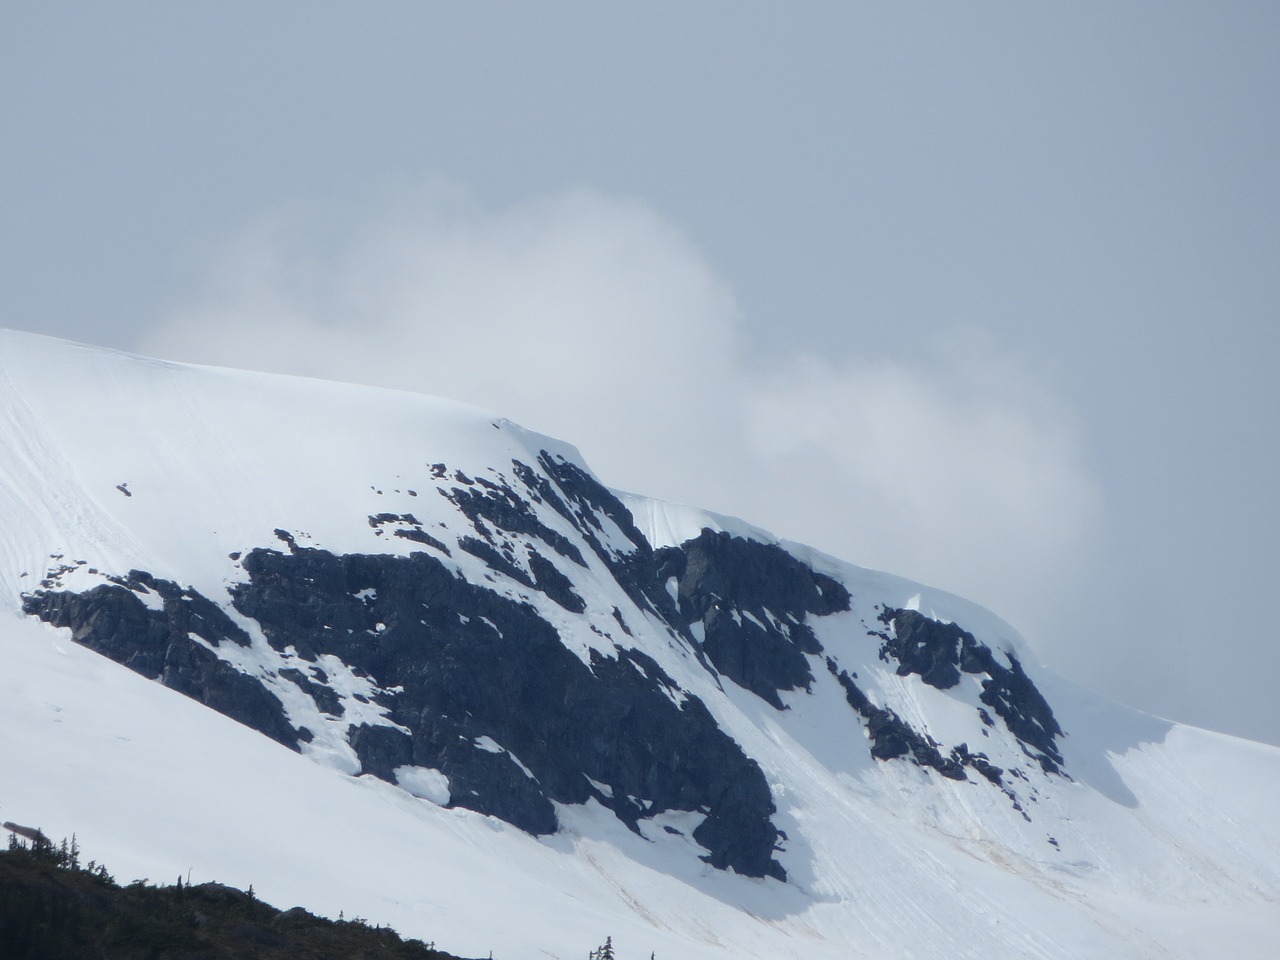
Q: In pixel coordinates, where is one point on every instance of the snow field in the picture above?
(1168, 838)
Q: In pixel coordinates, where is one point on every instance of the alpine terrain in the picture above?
(391, 657)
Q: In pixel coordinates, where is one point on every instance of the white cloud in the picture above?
(592, 318)
(949, 466)
(579, 315)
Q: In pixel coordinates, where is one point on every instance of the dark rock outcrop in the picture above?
(112, 620)
(494, 700)
(752, 600)
(593, 509)
(892, 737)
(476, 683)
(939, 652)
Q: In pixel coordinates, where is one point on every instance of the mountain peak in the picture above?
(427, 614)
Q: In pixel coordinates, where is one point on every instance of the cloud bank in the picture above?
(592, 318)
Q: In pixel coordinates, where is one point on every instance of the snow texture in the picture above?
(1150, 839)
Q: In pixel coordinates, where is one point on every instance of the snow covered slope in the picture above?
(484, 699)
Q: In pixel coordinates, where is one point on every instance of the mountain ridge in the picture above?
(377, 565)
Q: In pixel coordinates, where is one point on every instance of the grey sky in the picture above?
(1030, 249)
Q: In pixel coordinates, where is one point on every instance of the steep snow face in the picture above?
(619, 716)
(375, 631)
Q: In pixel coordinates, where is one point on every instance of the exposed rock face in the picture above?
(752, 600)
(892, 737)
(581, 500)
(485, 691)
(939, 652)
(495, 701)
(467, 675)
(112, 620)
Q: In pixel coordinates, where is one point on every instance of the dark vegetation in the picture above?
(53, 908)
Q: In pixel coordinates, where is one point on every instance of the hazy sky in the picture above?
(987, 294)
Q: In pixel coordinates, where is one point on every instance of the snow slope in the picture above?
(1160, 840)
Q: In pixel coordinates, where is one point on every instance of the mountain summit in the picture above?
(386, 654)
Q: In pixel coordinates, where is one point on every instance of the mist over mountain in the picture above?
(387, 654)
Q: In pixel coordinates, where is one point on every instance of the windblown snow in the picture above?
(1121, 835)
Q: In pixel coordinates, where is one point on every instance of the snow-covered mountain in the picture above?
(384, 654)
